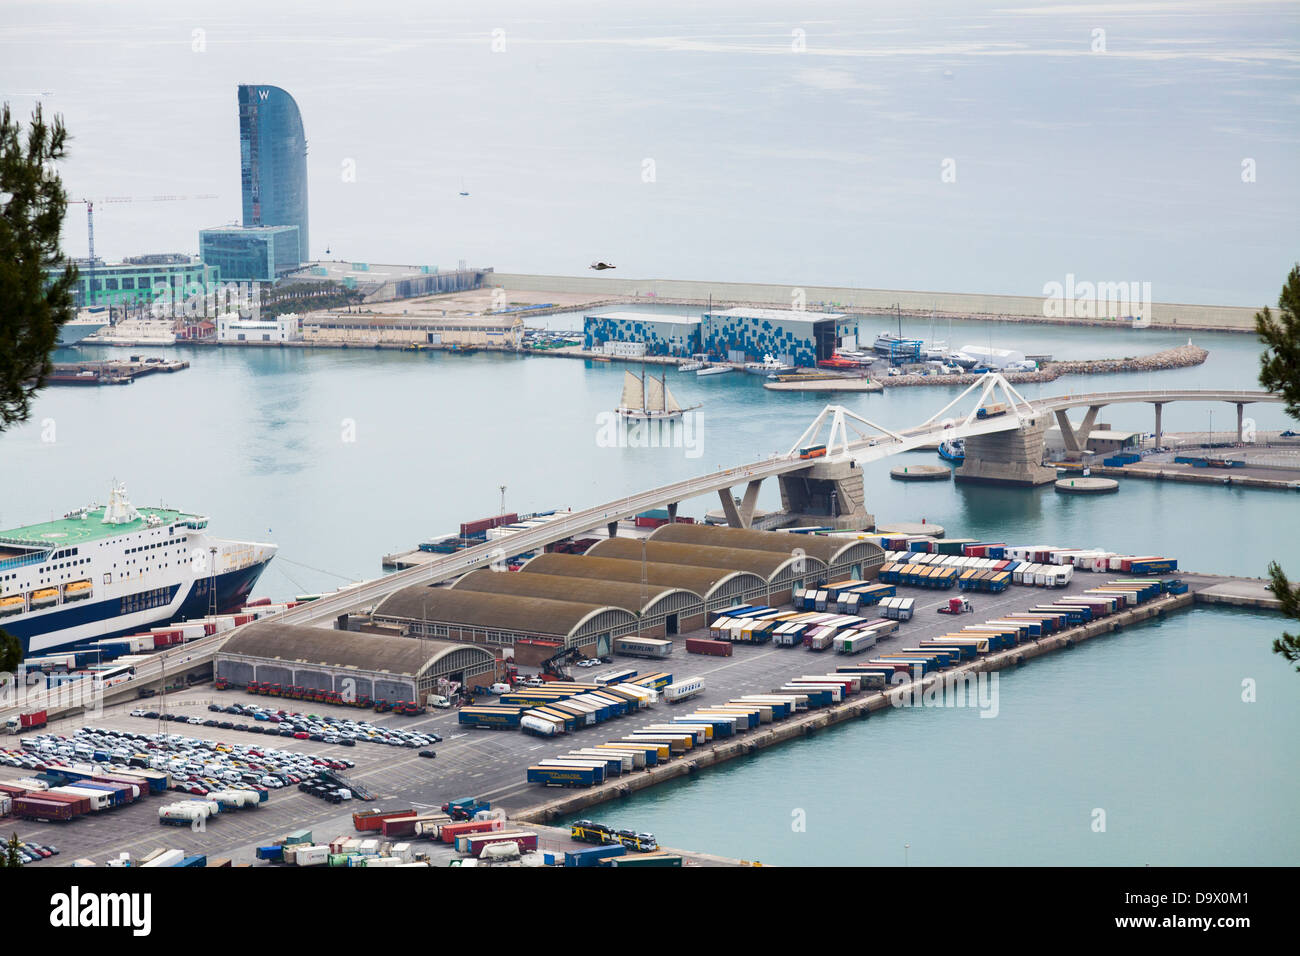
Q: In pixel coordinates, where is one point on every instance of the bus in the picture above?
(109, 676)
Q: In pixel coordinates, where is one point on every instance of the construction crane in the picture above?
(90, 209)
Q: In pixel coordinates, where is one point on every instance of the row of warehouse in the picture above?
(655, 587)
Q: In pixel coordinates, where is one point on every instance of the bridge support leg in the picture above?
(742, 515)
(1007, 458)
(613, 529)
(1160, 409)
(1241, 410)
(672, 510)
(1076, 439)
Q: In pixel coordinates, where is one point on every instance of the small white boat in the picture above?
(690, 366)
(769, 366)
(714, 370)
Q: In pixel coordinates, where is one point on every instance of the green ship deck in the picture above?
(77, 531)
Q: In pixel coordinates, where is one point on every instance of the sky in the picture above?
(975, 146)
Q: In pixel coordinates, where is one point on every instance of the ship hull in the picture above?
(75, 624)
(73, 332)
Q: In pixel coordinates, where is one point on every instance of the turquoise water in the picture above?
(341, 456)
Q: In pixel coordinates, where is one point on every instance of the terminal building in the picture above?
(362, 665)
(368, 329)
(730, 335)
(139, 280)
(658, 334)
(794, 337)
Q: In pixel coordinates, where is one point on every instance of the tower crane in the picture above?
(90, 209)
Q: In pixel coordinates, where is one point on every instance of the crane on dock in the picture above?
(90, 209)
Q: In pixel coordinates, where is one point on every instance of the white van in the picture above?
(437, 700)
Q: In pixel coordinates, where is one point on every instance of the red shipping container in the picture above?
(12, 790)
(35, 808)
(448, 832)
(525, 842)
(79, 804)
(258, 602)
(471, 528)
(702, 645)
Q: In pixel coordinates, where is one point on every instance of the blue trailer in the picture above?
(592, 855)
(198, 860)
(564, 776)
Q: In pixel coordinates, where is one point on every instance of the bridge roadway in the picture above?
(864, 450)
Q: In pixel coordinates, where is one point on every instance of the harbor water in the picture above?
(340, 456)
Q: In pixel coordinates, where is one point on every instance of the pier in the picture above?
(112, 371)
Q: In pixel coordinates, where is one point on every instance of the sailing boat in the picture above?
(649, 398)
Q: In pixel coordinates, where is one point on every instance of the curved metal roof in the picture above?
(825, 547)
(627, 595)
(299, 643)
(697, 578)
(765, 564)
(500, 612)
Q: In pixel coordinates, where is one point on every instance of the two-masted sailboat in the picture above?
(649, 398)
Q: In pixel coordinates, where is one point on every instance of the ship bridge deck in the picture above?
(76, 531)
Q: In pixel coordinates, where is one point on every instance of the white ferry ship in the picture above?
(106, 571)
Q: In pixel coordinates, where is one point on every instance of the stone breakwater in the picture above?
(1183, 356)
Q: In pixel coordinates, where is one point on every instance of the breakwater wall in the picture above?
(914, 304)
(1183, 356)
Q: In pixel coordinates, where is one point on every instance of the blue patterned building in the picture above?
(796, 338)
(662, 334)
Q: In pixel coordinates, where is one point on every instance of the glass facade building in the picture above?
(273, 161)
(139, 281)
(254, 254)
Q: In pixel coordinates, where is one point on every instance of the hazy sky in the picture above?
(963, 146)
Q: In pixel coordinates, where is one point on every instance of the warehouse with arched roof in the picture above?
(355, 665)
(664, 611)
(782, 573)
(843, 556)
(720, 587)
(506, 621)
